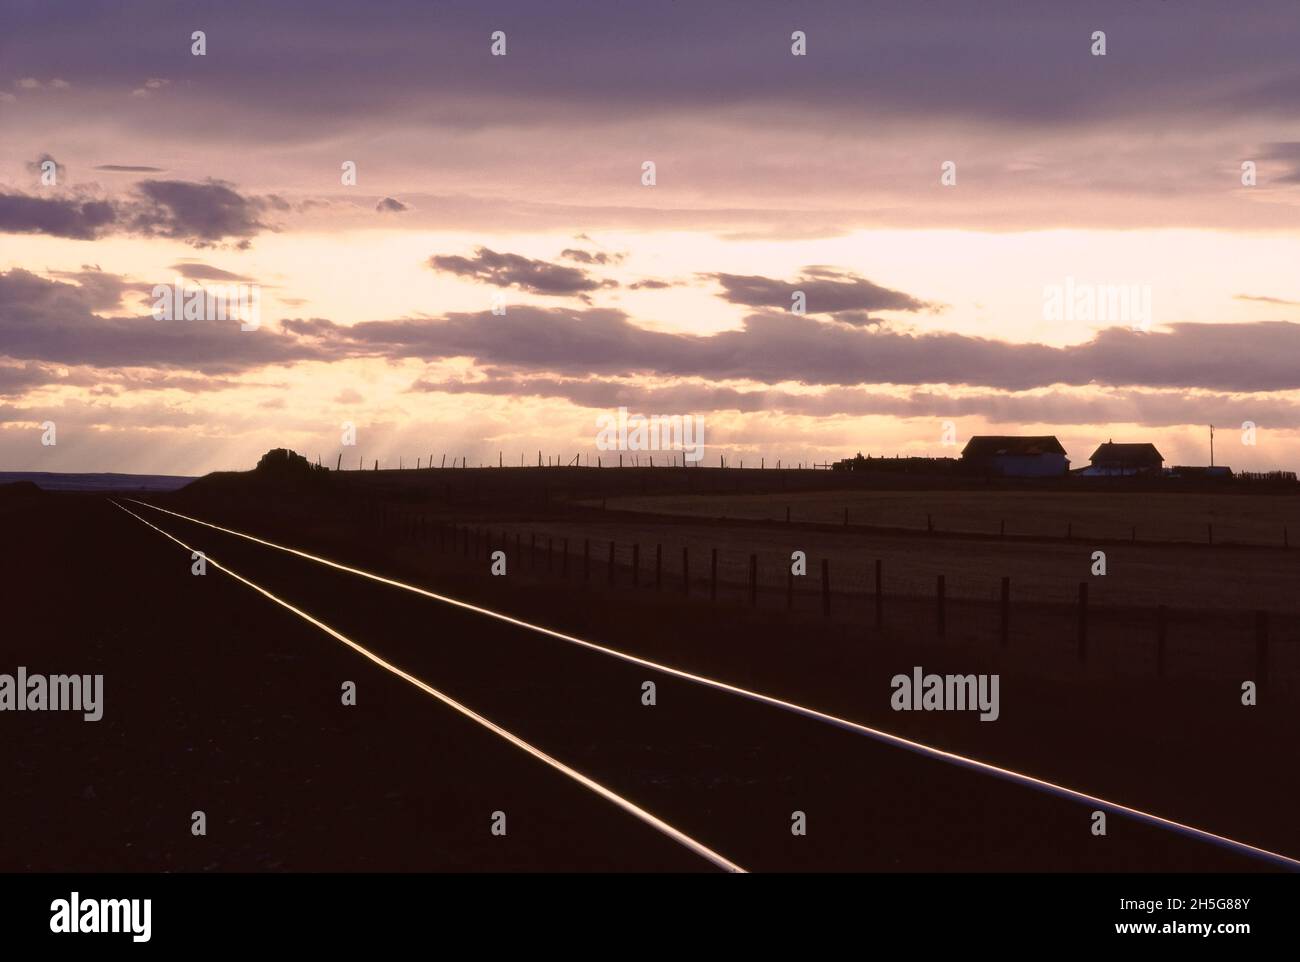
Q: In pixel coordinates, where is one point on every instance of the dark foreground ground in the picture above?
(218, 700)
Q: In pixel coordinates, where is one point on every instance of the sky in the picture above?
(994, 227)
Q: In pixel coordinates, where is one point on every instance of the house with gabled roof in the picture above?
(1014, 456)
(1122, 460)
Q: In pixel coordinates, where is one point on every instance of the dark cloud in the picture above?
(206, 272)
(100, 291)
(590, 257)
(36, 167)
(56, 322)
(17, 379)
(1021, 62)
(129, 169)
(523, 273)
(649, 285)
(774, 347)
(201, 214)
(390, 205)
(57, 216)
(827, 291)
(1060, 406)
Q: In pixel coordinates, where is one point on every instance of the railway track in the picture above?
(724, 768)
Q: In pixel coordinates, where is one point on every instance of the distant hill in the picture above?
(50, 481)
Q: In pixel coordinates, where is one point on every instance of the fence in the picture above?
(1161, 641)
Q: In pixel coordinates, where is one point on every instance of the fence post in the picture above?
(1261, 650)
(880, 595)
(1083, 621)
(636, 565)
(753, 580)
(1005, 631)
(939, 597)
(826, 586)
(611, 562)
(1161, 614)
(686, 570)
(713, 577)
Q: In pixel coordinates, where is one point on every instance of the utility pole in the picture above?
(1211, 445)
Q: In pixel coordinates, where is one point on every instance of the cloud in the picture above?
(57, 216)
(1265, 300)
(193, 270)
(129, 169)
(523, 273)
(649, 285)
(390, 205)
(99, 290)
(590, 257)
(774, 347)
(57, 322)
(827, 291)
(201, 214)
(151, 87)
(37, 167)
(32, 83)
(1051, 406)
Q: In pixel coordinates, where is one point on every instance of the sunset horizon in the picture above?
(493, 268)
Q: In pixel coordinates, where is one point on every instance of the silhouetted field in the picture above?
(1098, 721)
(1120, 514)
(219, 700)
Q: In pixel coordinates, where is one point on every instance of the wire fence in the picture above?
(1062, 625)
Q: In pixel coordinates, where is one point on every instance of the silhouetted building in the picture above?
(1219, 472)
(1124, 460)
(896, 465)
(1015, 457)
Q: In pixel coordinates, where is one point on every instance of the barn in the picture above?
(1010, 456)
(1124, 460)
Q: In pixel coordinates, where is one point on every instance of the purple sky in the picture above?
(516, 182)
